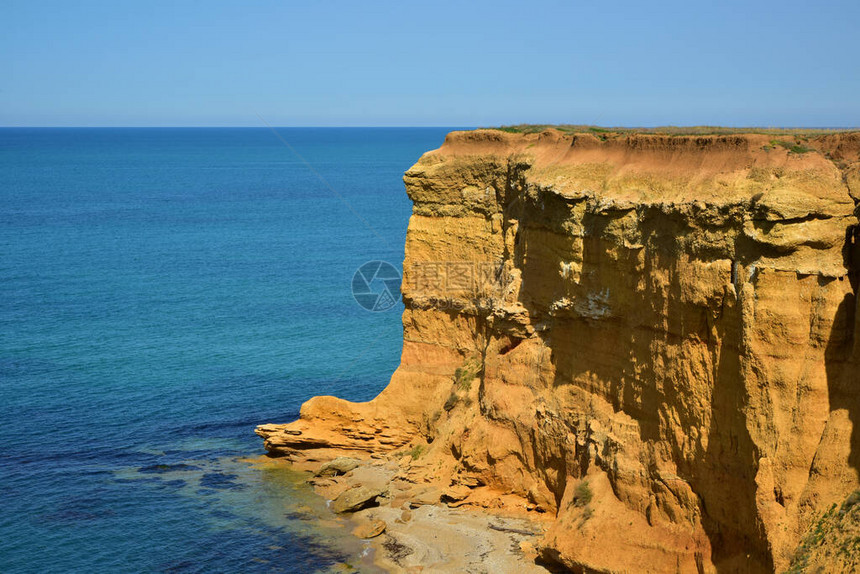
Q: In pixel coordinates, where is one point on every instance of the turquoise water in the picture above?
(162, 291)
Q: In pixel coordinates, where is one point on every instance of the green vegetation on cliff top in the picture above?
(671, 130)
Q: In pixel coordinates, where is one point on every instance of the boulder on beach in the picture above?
(338, 466)
(370, 529)
(357, 498)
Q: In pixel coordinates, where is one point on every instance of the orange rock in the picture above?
(669, 319)
(369, 529)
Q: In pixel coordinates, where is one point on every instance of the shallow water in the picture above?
(162, 291)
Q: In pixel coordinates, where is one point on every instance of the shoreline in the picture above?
(411, 523)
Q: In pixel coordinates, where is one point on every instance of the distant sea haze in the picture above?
(162, 291)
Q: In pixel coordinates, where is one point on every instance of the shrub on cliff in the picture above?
(832, 544)
(582, 495)
(463, 375)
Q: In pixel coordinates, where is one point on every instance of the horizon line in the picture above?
(450, 126)
(236, 127)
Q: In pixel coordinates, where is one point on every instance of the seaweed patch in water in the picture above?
(299, 515)
(220, 481)
(80, 509)
(178, 483)
(160, 468)
(223, 514)
(212, 454)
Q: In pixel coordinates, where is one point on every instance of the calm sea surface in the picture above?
(162, 291)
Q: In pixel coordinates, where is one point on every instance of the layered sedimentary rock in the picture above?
(653, 338)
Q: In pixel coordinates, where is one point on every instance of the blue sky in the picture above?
(400, 63)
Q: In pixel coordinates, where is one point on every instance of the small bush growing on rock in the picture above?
(796, 148)
(582, 495)
(435, 418)
(463, 375)
(416, 451)
(451, 402)
(586, 515)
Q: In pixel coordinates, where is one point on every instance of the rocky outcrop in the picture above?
(652, 338)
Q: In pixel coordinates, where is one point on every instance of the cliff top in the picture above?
(672, 130)
(813, 170)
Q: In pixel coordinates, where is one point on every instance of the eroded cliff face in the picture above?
(652, 338)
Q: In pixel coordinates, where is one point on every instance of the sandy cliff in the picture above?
(651, 338)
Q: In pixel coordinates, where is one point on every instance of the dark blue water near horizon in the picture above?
(163, 291)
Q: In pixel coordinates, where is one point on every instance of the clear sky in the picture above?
(401, 63)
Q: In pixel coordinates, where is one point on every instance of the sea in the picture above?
(162, 292)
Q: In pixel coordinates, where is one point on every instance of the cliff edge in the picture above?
(650, 338)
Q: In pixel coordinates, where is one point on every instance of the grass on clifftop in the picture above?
(670, 130)
(797, 148)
